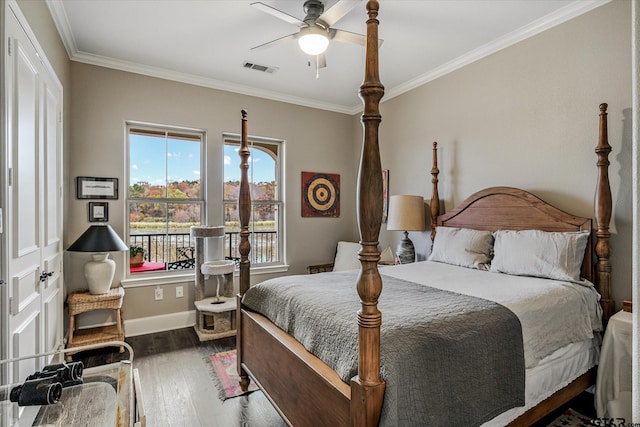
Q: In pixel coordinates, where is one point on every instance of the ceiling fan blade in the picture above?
(277, 13)
(337, 11)
(349, 37)
(276, 41)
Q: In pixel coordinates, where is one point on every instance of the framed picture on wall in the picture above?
(98, 211)
(320, 195)
(96, 188)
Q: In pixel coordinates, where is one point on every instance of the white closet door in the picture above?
(33, 198)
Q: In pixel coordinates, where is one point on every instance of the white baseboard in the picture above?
(165, 322)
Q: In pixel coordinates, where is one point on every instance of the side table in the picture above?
(82, 302)
(613, 385)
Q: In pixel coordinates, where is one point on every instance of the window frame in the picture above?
(158, 130)
(233, 139)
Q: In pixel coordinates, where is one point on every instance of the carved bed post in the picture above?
(603, 217)
(435, 198)
(244, 212)
(367, 389)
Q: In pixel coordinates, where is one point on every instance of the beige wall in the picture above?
(526, 117)
(315, 140)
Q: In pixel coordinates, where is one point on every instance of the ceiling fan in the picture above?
(315, 30)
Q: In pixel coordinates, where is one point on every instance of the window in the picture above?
(165, 196)
(266, 222)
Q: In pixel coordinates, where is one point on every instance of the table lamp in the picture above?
(406, 213)
(99, 272)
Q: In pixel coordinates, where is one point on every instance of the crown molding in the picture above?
(193, 79)
(59, 16)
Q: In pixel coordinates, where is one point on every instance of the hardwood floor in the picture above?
(178, 391)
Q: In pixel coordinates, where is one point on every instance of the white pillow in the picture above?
(462, 246)
(347, 256)
(550, 255)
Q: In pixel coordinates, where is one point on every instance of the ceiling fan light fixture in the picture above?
(313, 40)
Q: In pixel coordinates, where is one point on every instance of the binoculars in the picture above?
(45, 387)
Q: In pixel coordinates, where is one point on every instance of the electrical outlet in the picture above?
(179, 292)
(158, 294)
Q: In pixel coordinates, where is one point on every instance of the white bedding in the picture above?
(553, 372)
(552, 313)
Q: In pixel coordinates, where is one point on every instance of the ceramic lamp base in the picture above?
(405, 252)
(99, 273)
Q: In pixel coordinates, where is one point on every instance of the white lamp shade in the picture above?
(313, 40)
(406, 213)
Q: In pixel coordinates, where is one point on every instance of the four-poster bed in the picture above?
(309, 391)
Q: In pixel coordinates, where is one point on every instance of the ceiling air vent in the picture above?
(258, 67)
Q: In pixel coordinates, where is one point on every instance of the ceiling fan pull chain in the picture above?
(317, 68)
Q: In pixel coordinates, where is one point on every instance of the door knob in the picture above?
(45, 275)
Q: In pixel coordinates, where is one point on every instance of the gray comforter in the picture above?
(448, 359)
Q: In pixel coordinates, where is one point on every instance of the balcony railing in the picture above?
(173, 248)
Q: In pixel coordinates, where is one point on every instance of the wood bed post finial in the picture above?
(603, 208)
(367, 388)
(435, 197)
(244, 247)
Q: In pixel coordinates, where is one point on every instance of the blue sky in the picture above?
(261, 165)
(181, 161)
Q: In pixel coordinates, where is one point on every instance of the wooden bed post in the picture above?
(244, 212)
(367, 388)
(435, 197)
(603, 207)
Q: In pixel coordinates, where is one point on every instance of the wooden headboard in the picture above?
(507, 208)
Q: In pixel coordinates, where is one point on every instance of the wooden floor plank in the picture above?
(155, 407)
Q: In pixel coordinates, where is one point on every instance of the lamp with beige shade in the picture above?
(406, 213)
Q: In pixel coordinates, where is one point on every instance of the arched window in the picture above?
(267, 207)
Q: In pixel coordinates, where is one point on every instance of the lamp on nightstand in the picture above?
(406, 213)
(99, 272)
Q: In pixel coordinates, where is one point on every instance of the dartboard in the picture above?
(320, 194)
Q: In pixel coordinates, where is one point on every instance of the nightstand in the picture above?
(82, 302)
(613, 386)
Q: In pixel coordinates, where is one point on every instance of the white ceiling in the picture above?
(206, 42)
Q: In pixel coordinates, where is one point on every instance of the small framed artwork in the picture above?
(96, 188)
(98, 211)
